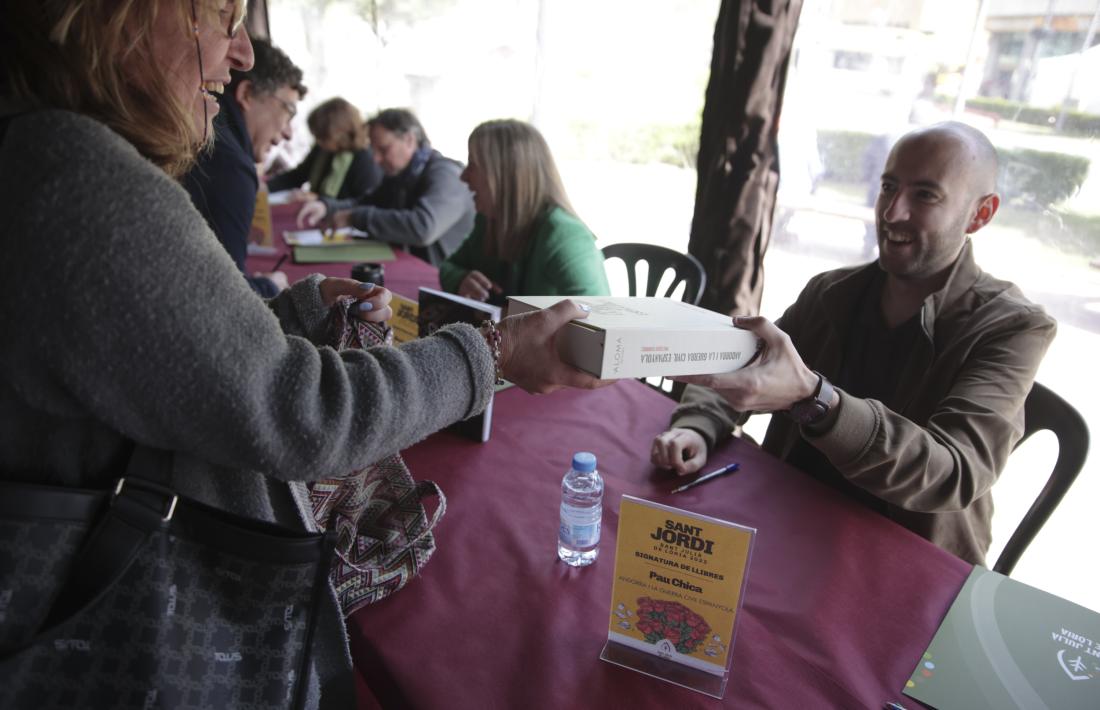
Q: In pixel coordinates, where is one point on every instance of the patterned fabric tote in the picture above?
(383, 533)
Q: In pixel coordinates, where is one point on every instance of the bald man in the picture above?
(900, 382)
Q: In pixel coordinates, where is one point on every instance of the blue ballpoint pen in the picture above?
(707, 476)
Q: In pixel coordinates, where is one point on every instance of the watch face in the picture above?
(807, 412)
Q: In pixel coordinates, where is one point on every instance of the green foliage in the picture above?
(1038, 179)
(672, 143)
(1077, 123)
(846, 154)
(1031, 179)
(398, 12)
(675, 144)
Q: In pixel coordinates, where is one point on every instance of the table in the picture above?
(840, 603)
(404, 275)
(839, 607)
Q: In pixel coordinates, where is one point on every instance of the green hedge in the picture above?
(674, 143)
(846, 155)
(1077, 123)
(1031, 178)
(1038, 179)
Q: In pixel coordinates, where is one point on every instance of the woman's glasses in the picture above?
(236, 12)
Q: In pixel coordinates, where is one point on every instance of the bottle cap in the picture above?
(584, 462)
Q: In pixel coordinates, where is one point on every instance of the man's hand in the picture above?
(311, 213)
(529, 354)
(374, 301)
(775, 380)
(477, 286)
(682, 450)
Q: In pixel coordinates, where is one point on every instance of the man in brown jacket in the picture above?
(932, 358)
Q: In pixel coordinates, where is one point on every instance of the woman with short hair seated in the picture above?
(527, 240)
(340, 164)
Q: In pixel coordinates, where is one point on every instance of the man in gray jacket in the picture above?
(422, 204)
(932, 359)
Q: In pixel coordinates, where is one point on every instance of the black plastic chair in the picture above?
(1046, 410)
(686, 268)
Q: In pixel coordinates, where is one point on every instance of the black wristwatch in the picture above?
(816, 406)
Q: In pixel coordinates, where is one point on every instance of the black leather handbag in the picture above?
(141, 598)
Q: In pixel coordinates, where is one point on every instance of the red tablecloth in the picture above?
(404, 275)
(840, 602)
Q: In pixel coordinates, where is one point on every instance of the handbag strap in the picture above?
(139, 508)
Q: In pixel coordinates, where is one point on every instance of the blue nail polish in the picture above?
(366, 306)
(585, 308)
(366, 285)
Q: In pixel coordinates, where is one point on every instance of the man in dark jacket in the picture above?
(256, 109)
(421, 205)
(932, 358)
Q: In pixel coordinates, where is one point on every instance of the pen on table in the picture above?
(893, 706)
(730, 468)
(279, 262)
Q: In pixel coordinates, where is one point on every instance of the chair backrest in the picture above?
(686, 268)
(1046, 410)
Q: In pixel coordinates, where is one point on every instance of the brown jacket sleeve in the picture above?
(956, 457)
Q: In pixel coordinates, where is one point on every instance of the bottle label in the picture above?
(580, 527)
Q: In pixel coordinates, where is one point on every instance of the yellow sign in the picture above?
(679, 578)
(404, 323)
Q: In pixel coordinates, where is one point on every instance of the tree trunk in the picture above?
(738, 162)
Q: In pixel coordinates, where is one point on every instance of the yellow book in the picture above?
(404, 321)
(261, 219)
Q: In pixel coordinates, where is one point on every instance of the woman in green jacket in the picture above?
(526, 238)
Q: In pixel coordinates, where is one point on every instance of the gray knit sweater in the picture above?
(124, 318)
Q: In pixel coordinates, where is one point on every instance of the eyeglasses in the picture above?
(236, 17)
(290, 106)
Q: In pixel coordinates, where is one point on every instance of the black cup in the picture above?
(369, 272)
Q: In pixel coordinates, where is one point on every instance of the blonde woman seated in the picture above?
(526, 238)
(340, 165)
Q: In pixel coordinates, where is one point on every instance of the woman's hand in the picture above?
(341, 219)
(682, 450)
(529, 353)
(477, 286)
(311, 213)
(374, 301)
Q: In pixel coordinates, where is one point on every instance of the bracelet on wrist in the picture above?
(493, 338)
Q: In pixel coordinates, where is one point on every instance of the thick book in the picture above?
(1004, 644)
(439, 308)
(646, 337)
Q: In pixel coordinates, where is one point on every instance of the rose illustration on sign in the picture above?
(670, 621)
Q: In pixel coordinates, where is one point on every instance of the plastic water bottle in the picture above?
(581, 510)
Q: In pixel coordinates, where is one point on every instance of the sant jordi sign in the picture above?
(676, 597)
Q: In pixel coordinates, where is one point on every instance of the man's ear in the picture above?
(987, 207)
(243, 94)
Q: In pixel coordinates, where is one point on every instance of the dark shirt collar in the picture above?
(843, 297)
(232, 119)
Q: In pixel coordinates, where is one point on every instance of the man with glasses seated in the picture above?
(256, 109)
